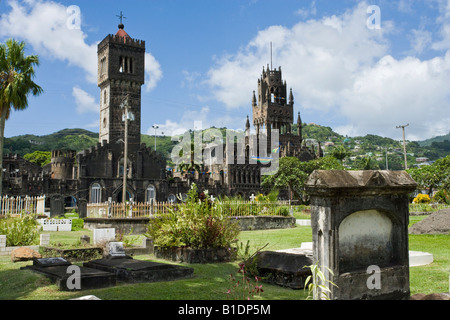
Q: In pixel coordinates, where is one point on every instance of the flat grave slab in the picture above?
(56, 269)
(287, 269)
(129, 270)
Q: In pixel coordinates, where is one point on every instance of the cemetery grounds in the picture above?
(211, 281)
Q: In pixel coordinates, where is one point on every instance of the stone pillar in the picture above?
(2, 243)
(359, 222)
(44, 239)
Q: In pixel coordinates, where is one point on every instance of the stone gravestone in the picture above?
(359, 222)
(104, 235)
(63, 273)
(56, 206)
(85, 239)
(116, 250)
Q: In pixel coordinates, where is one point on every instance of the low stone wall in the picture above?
(265, 222)
(6, 251)
(189, 255)
(125, 226)
(137, 226)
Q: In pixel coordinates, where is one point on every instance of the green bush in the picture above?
(442, 196)
(77, 224)
(20, 231)
(193, 224)
(282, 211)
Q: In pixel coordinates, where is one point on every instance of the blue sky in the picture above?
(204, 58)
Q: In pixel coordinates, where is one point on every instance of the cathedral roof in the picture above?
(121, 32)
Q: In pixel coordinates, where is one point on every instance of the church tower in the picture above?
(121, 62)
(274, 110)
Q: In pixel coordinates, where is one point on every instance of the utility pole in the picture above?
(387, 164)
(155, 127)
(404, 143)
(124, 105)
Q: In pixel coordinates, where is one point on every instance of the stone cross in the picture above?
(252, 198)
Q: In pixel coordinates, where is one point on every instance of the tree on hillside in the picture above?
(340, 153)
(40, 158)
(293, 173)
(433, 177)
(16, 82)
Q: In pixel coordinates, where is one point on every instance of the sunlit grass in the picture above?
(210, 281)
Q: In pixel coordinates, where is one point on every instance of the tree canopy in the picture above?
(293, 173)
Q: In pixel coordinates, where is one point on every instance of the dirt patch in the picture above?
(436, 223)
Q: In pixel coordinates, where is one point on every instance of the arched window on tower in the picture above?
(96, 193)
(150, 193)
(125, 64)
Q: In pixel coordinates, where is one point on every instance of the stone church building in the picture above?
(97, 175)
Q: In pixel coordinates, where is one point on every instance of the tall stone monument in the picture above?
(359, 221)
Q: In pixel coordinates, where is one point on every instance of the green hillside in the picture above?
(362, 151)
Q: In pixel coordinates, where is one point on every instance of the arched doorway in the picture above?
(119, 196)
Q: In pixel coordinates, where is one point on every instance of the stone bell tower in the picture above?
(121, 62)
(274, 110)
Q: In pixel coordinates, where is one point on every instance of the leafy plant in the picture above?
(195, 224)
(317, 283)
(19, 231)
(244, 288)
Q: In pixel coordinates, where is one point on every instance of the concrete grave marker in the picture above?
(359, 222)
(115, 249)
(104, 235)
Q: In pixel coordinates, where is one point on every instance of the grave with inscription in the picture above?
(128, 269)
(71, 277)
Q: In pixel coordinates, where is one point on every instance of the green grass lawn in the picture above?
(211, 281)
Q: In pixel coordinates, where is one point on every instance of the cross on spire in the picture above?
(121, 17)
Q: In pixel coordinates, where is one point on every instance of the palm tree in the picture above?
(340, 153)
(16, 73)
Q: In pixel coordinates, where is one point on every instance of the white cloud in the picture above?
(319, 58)
(444, 20)
(153, 72)
(396, 91)
(44, 25)
(85, 103)
(195, 119)
(420, 40)
(337, 66)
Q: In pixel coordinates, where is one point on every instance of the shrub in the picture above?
(77, 224)
(282, 211)
(422, 198)
(19, 231)
(442, 196)
(195, 224)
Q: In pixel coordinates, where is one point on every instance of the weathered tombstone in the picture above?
(85, 239)
(65, 275)
(148, 243)
(2, 243)
(104, 235)
(56, 205)
(44, 239)
(82, 208)
(116, 250)
(359, 222)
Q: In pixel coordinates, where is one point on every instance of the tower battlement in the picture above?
(111, 38)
